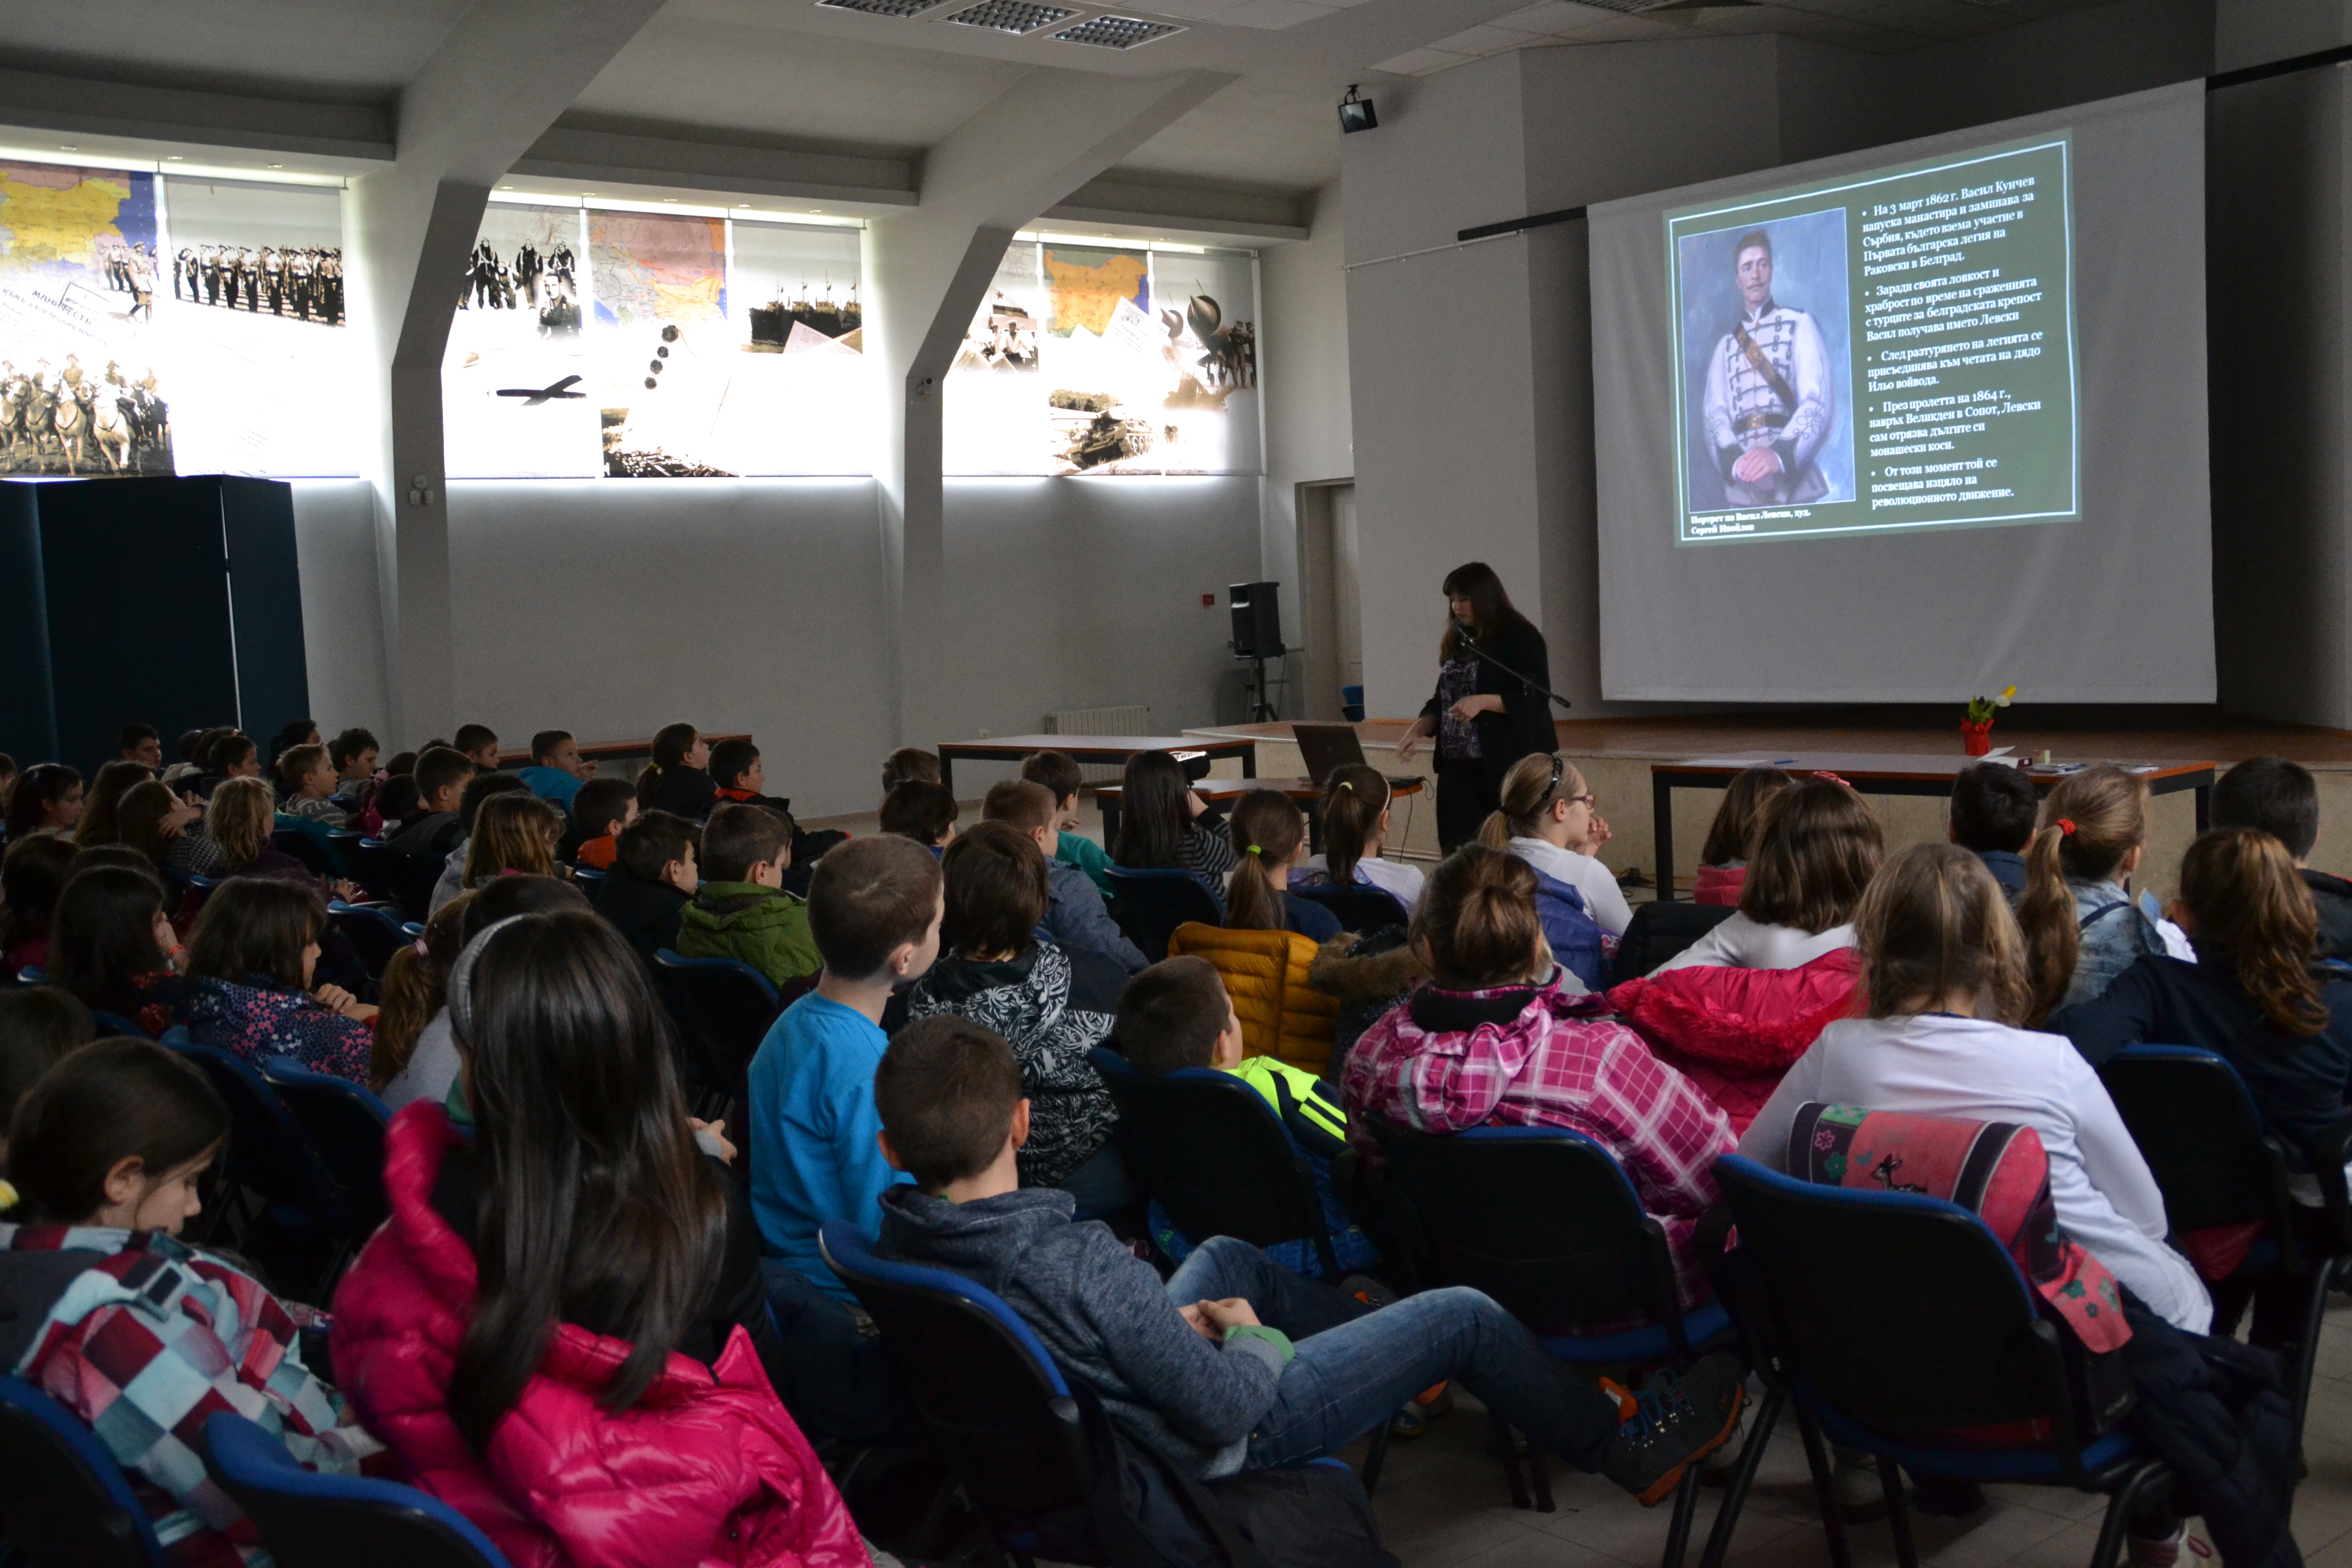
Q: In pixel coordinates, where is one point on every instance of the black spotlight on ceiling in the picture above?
(1356, 113)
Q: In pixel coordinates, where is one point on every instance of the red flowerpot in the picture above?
(1975, 737)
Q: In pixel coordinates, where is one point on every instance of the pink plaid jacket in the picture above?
(1444, 1061)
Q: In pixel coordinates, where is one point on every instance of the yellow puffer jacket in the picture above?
(1265, 972)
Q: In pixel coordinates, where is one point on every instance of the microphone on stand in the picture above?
(1469, 640)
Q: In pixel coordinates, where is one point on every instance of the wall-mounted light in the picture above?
(1356, 113)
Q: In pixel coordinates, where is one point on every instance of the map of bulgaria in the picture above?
(647, 266)
(1085, 296)
(56, 218)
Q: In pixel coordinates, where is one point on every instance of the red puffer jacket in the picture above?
(702, 1470)
(1735, 1031)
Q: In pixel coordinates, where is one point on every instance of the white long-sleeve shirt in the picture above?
(1974, 1070)
(1742, 943)
(1604, 899)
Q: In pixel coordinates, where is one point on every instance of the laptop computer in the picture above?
(1323, 747)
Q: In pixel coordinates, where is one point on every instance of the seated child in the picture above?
(1178, 1014)
(739, 775)
(652, 877)
(137, 1335)
(112, 947)
(909, 763)
(251, 962)
(1993, 807)
(510, 832)
(1075, 915)
(1053, 1005)
(167, 830)
(1815, 850)
(1356, 802)
(556, 771)
(2082, 928)
(677, 780)
(239, 822)
(412, 1056)
(874, 912)
(353, 753)
(1062, 780)
(1550, 819)
(1236, 1363)
(921, 810)
(45, 798)
(32, 875)
(1493, 1039)
(38, 1025)
(479, 743)
(1723, 859)
(309, 779)
(741, 910)
(1271, 834)
(435, 828)
(140, 744)
(2281, 799)
(601, 809)
(101, 801)
(1159, 824)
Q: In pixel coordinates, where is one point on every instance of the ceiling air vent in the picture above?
(1117, 32)
(1011, 16)
(881, 8)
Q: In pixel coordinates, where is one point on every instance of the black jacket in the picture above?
(1525, 724)
(648, 913)
(431, 836)
(2334, 897)
(2297, 1081)
(685, 792)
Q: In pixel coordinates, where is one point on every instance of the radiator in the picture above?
(1127, 719)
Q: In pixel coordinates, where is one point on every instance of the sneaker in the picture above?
(1719, 1469)
(1671, 1422)
(2152, 1552)
(1856, 1486)
(1370, 1291)
(1412, 1419)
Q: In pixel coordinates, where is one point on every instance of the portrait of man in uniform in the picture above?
(1772, 424)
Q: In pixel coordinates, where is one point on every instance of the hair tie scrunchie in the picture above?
(421, 950)
(1253, 850)
(2065, 826)
(1344, 785)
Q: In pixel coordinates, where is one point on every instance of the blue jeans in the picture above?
(1352, 1372)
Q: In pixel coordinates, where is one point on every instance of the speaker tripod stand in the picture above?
(1261, 709)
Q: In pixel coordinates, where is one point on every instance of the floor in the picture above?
(1442, 1503)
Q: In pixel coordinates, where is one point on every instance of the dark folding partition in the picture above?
(175, 601)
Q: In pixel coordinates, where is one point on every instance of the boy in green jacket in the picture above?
(742, 910)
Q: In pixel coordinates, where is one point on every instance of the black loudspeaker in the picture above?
(1257, 620)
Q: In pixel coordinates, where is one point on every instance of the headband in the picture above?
(461, 977)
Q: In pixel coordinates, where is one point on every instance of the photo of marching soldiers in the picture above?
(63, 419)
(294, 283)
(545, 283)
(131, 269)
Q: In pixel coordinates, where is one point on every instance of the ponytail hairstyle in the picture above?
(672, 744)
(108, 1101)
(1934, 925)
(115, 780)
(1477, 922)
(514, 830)
(2089, 823)
(416, 986)
(594, 1207)
(1732, 837)
(1154, 815)
(1267, 829)
(1529, 790)
(2253, 912)
(1354, 796)
(1491, 610)
(1814, 853)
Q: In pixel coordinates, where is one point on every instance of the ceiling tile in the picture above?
(1553, 19)
(1488, 40)
(1272, 12)
(1627, 29)
(1422, 62)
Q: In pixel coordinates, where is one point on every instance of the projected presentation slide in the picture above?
(1893, 350)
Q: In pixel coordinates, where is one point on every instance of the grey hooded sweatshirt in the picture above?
(1103, 1316)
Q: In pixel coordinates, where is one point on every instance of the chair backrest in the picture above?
(587, 877)
(267, 1150)
(372, 931)
(345, 1124)
(983, 1386)
(1542, 1219)
(65, 1501)
(111, 1023)
(32, 974)
(1660, 929)
(2197, 1127)
(413, 878)
(729, 1005)
(1356, 909)
(1902, 1311)
(309, 1521)
(371, 864)
(1147, 905)
(1213, 1153)
(295, 842)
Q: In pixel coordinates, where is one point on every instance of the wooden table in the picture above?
(605, 751)
(1224, 792)
(1104, 748)
(1882, 773)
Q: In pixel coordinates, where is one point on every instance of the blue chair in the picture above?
(371, 863)
(111, 1023)
(372, 930)
(345, 1124)
(1356, 909)
(32, 974)
(272, 1157)
(1148, 905)
(1545, 1221)
(588, 876)
(309, 1521)
(727, 1006)
(66, 1501)
(1892, 1320)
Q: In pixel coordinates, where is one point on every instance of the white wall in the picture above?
(342, 617)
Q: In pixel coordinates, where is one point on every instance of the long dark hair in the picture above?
(672, 743)
(255, 928)
(105, 794)
(594, 1208)
(139, 818)
(102, 937)
(1267, 830)
(35, 789)
(2089, 823)
(108, 1101)
(32, 875)
(1733, 833)
(1153, 813)
(1353, 798)
(2254, 913)
(1491, 611)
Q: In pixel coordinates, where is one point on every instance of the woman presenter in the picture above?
(1484, 719)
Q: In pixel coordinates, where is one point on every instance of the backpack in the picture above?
(1574, 934)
